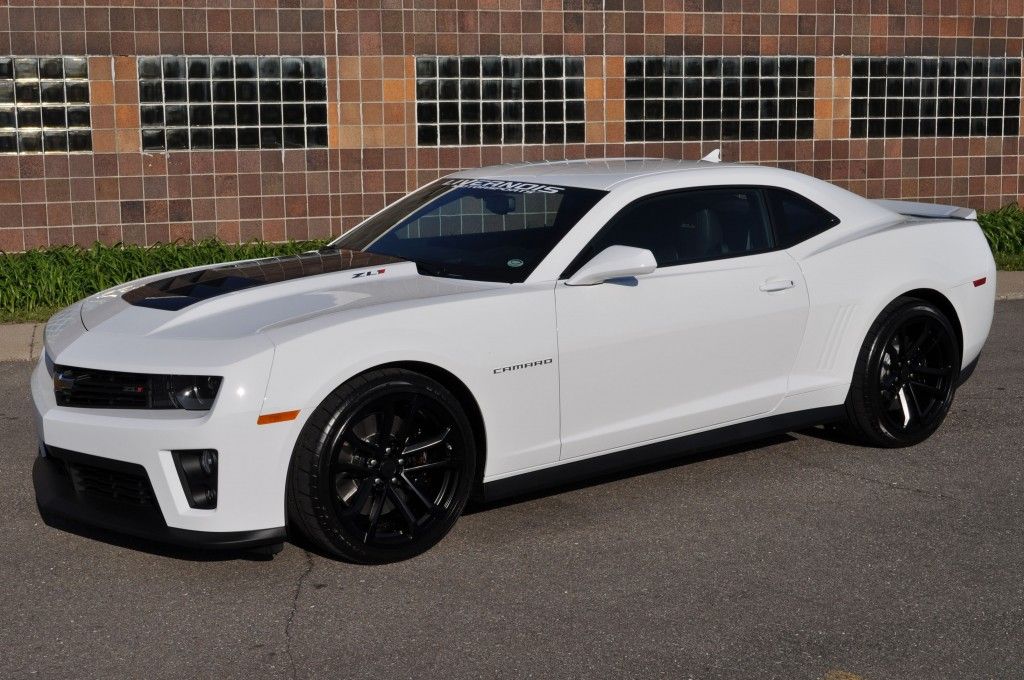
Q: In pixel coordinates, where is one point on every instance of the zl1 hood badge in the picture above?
(363, 275)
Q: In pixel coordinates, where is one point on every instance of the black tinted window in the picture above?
(688, 226)
(796, 218)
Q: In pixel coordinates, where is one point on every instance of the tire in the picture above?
(383, 468)
(905, 376)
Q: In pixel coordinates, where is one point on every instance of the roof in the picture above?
(601, 173)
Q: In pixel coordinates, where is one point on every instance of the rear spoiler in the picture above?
(913, 209)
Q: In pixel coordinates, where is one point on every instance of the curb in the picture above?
(24, 341)
(21, 341)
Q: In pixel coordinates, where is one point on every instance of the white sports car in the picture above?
(496, 331)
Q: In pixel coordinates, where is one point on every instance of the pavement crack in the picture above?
(292, 668)
(864, 478)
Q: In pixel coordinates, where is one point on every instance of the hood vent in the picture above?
(177, 292)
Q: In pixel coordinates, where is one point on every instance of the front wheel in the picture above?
(906, 375)
(383, 468)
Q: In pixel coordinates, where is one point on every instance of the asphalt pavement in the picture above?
(798, 557)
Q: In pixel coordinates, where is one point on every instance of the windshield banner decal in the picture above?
(504, 185)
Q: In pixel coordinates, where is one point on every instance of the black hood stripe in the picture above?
(178, 292)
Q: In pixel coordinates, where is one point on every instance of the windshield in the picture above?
(488, 230)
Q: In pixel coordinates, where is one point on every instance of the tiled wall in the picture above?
(374, 151)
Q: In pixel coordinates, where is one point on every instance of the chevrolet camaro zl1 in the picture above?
(496, 331)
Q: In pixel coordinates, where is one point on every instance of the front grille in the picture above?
(106, 480)
(101, 389)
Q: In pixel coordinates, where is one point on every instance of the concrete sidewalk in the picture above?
(24, 341)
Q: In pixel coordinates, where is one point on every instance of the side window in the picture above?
(796, 218)
(688, 226)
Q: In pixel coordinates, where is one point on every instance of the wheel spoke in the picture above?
(360, 444)
(405, 429)
(385, 419)
(446, 464)
(426, 444)
(915, 405)
(359, 499)
(925, 386)
(403, 508)
(419, 495)
(378, 505)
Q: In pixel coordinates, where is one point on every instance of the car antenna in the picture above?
(713, 157)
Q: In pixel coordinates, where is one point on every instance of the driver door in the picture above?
(710, 337)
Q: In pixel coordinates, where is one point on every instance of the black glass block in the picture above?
(51, 67)
(804, 129)
(731, 87)
(553, 89)
(30, 142)
(7, 117)
(150, 92)
(730, 109)
(512, 134)
(272, 137)
(77, 92)
(533, 133)
(52, 92)
(270, 114)
(554, 133)
(200, 115)
(30, 117)
(294, 137)
(314, 67)
(151, 115)
(54, 140)
(149, 67)
(294, 114)
(674, 67)
(490, 112)
(245, 67)
(54, 117)
(248, 138)
(174, 91)
(223, 67)
(573, 67)
(449, 134)
(469, 89)
(673, 131)
(554, 111)
(269, 67)
(153, 139)
(533, 89)
(712, 88)
(248, 91)
(224, 91)
(8, 142)
(247, 114)
(470, 134)
(174, 67)
(316, 114)
(426, 89)
(711, 129)
(491, 134)
(6, 67)
(26, 67)
(448, 67)
(654, 87)
(654, 67)
(448, 89)
(787, 129)
(512, 67)
(787, 87)
(27, 92)
(691, 109)
(674, 88)
(6, 92)
(448, 112)
(200, 138)
(224, 114)
(270, 90)
(175, 115)
(469, 67)
(469, 112)
(634, 131)
(490, 90)
(730, 67)
(199, 91)
(224, 138)
(426, 135)
(177, 139)
(198, 67)
(316, 91)
(426, 67)
(635, 88)
(292, 68)
(575, 133)
(574, 110)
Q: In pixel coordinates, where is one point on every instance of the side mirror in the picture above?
(614, 262)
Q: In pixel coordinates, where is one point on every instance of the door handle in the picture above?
(775, 285)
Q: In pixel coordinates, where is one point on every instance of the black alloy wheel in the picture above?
(384, 467)
(906, 375)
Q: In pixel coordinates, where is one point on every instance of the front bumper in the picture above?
(59, 499)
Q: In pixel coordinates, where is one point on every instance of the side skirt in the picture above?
(686, 445)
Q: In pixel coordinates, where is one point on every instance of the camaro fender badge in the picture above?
(363, 275)
(528, 364)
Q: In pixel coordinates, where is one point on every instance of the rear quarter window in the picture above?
(796, 218)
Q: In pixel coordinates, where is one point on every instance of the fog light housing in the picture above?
(197, 470)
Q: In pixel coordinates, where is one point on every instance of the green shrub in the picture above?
(36, 283)
(1004, 229)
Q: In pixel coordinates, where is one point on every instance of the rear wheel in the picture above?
(383, 468)
(906, 375)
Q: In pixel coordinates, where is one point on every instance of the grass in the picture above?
(34, 284)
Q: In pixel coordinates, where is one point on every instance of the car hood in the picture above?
(241, 298)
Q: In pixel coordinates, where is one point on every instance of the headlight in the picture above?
(193, 392)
